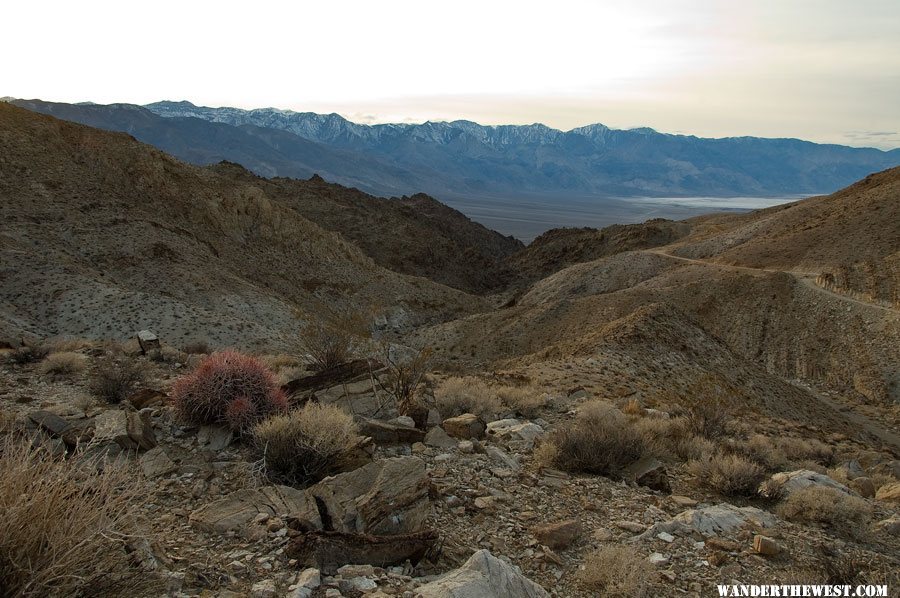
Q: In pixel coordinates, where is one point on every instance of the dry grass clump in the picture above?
(167, 354)
(801, 450)
(63, 363)
(633, 407)
(827, 506)
(616, 570)
(780, 454)
(525, 401)
(671, 439)
(306, 444)
(63, 524)
(230, 388)
(599, 440)
(115, 381)
(27, 354)
(467, 394)
(68, 345)
(731, 475)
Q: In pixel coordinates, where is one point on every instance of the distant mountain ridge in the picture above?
(463, 159)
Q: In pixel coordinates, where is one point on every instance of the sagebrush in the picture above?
(600, 440)
(617, 571)
(306, 444)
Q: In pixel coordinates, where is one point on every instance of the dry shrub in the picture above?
(335, 340)
(67, 345)
(616, 570)
(116, 381)
(405, 377)
(27, 354)
(282, 360)
(196, 348)
(228, 388)
(670, 438)
(306, 444)
(63, 363)
(731, 475)
(600, 441)
(633, 407)
(63, 524)
(468, 394)
(798, 450)
(526, 401)
(827, 506)
(169, 355)
(764, 451)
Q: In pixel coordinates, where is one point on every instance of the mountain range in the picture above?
(462, 159)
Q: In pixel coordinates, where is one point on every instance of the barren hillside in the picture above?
(102, 236)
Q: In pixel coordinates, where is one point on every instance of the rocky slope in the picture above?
(102, 235)
(414, 235)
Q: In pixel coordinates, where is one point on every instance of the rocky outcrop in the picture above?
(782, 485)
(385, 497)
(714, 520)
(237, 510)
(483, 576)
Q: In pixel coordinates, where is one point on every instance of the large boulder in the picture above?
(237, 510)
(483, 576)
(466, 426)
(386, 497)
(514, 430)
(714, 520)
(782, 485)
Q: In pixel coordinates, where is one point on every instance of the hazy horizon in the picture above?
(825, 71)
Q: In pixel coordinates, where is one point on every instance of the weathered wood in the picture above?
(328, 550)
(332, 377)
(387, 433)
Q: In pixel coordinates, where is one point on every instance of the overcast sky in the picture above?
(824, 70)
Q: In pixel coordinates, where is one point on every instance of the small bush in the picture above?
(63, 524)
(764, 451)
(731, 475)
(455, 396)
(405, 377)
(206, 395)
(169, 355)
(335, 340)
(525, 401)
(27, 354)
(66, 362)
(799, 450)
(196, 348)
(633, 407)
(306, 444)
(599, 441)
(116, 381)
(670, 438)
(827, 506)
(616, 571)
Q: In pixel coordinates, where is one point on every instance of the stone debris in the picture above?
(129, 429)
(214, 438)
(558, 535)
(156, 463)
(649, 472)
(438, 438)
